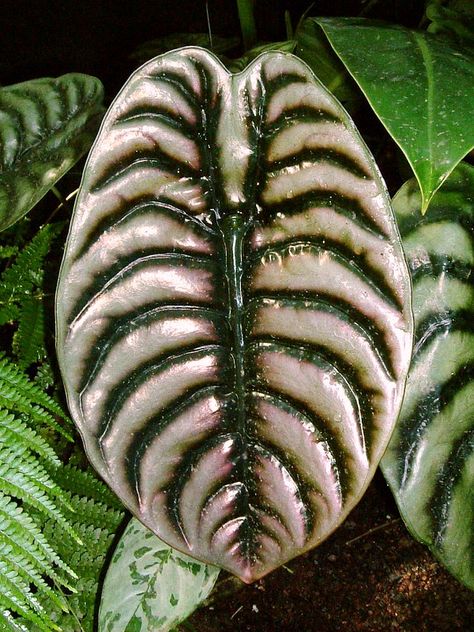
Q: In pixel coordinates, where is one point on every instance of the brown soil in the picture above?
(370, 575)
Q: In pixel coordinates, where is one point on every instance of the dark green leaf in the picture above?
(421, 89)
(231, 235)
(430, 460)
(46, 125)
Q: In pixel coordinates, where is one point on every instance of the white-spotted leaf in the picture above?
(150, 587)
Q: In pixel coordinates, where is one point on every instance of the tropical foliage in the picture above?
(195, 388)
(58, 521)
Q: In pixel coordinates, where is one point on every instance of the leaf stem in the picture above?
(247, 23)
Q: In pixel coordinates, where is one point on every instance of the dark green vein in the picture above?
(103, 282)
(439, 324)
(294, 115)
(411, 428)
(301, 411)
(153, 113)
(120, 393)
(280, 81)
(143, 206)
(183, 471)
(122, 327)
(155, 425)
(254, 178)
(327, 302)
(330, 364)
(234, 230)
(438, 265)
(445, 487)
(303, 486)
(316, 155)
(179, 82)
(442, 215)
(352, 261)
(154, 158)
(321, 198)
(209, 111)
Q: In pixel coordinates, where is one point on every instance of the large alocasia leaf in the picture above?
(46, 125)
(421, 89)
(233, 317)
(150, 587)
(430, 460)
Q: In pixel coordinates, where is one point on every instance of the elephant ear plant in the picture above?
(233, 311)
(429, 463)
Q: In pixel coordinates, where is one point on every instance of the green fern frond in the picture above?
(96, 521)
(22, 295)
(15, 431)
(23, 476)
(44, 377)
(31, 568)
(57, 522)
(8, 622)
(28, 341)
(84, 483)
(17, 595)
(7, 252)
(19, 530)
(19, 394)
(26, 272)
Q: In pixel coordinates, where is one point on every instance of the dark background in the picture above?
(52, 37)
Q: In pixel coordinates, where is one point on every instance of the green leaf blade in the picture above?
(408, 79)
(46, 125)
(150, 586)
(429, 461)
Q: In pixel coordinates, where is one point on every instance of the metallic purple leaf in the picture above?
(233, 312)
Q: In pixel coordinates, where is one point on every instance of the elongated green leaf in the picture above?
(233, 317)
(46, 125)
(150, 586)
(421, 89)
(430, 460)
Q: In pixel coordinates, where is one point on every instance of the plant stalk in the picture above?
(247, 23)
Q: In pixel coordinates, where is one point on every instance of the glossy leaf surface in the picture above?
(421, 89)
(233, 318)
(430, 460)
(46, 125)
(150, 586)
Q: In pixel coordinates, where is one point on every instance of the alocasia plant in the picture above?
(233, 312)
(429, 463)
(46, 125)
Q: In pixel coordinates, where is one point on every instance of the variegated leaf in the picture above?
(150, 587)
(233, 317)
(430, 460)
(46, 125)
